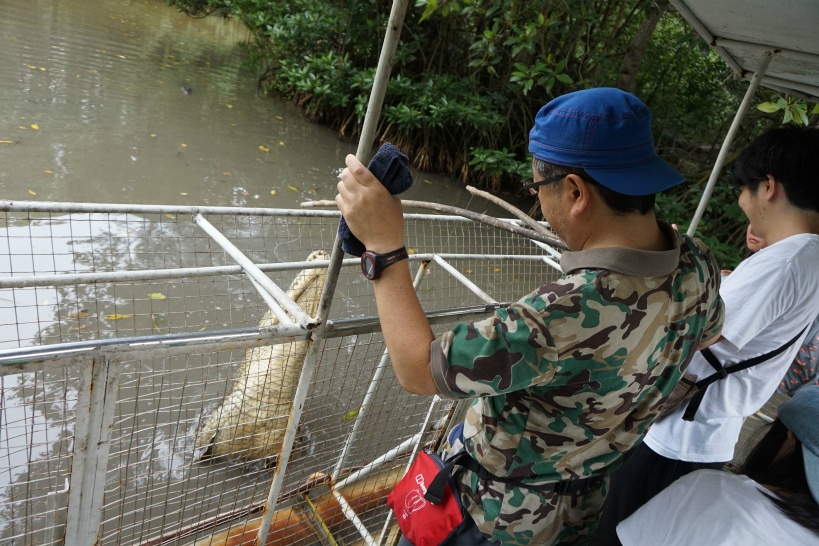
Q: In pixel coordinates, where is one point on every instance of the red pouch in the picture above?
(426, 508)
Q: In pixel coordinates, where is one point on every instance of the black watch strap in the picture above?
(372, 264)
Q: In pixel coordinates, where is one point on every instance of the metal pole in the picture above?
(463, 280)
(95, 418)
(382, 76)
(281, 297)
(729, 139)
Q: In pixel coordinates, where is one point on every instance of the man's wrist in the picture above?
(373, 263)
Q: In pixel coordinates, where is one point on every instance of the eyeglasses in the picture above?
(532, 185)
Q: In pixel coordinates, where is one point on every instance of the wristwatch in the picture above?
(372, 264)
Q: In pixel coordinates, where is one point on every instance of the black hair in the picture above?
(785, 474)
(620, 203)
(788, 153)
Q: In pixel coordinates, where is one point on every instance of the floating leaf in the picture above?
(281, 143)
(117, 317)
(497, 270)
(184, 145)
(171, 216)
(31, 67)
(157, 296)
(6, 142)
(155, 320)
(225, 173)
(35, 126)
(469, 271)
(264, 148)
(153, 135)
(279, 118)
(47, 171)
(427, 181)
(79, 314)
(272, 192)
(229, 105)
(294, 188)
(183, 193)
(32, 192)
(352, 414)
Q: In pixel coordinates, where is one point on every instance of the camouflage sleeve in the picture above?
(716, 316)
(507, 352)
(714, 325)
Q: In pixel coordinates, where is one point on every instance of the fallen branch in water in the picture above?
(540, 235)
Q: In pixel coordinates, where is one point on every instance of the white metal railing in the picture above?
(125, 378)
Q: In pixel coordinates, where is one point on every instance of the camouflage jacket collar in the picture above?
(628, 261)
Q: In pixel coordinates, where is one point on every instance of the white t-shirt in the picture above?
(768, 298)
(712, 508)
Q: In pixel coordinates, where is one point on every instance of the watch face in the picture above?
(368, 265)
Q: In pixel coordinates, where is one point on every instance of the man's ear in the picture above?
(771, 187)
(580, 194)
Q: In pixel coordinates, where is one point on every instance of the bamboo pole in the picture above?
(729, 139)
(365, 144)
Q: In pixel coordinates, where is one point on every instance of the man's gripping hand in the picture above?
(374, 216)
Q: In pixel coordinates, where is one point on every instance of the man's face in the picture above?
(749, 202)
(548, 197)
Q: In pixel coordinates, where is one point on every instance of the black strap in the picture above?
(724, 371)
(435, 491)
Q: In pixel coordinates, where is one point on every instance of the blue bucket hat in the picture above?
(800, 415)
(606, 132)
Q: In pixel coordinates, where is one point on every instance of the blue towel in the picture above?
(390, 167)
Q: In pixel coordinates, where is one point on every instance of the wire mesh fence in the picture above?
(124, 332)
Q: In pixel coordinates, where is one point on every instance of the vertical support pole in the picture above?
(95, 418)
(729, 139)
(365, 143)
(382, 78)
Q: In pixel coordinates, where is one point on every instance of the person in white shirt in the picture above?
(769, 299)
(773, 500)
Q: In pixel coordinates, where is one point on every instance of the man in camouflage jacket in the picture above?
(570, 377)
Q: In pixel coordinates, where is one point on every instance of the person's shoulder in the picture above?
(694, 250)
(799, 247)
(710, 476)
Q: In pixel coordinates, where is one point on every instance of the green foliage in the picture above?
(469, 76)
(490, 165)
(794, 109)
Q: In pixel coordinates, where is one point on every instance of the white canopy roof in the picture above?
(743, 31)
